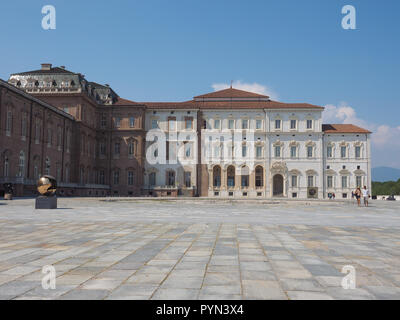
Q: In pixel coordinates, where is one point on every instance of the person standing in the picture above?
(358, 196)
(365, 194)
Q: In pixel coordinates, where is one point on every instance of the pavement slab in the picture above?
(199, 249)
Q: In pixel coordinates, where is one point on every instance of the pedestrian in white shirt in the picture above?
(365, 194)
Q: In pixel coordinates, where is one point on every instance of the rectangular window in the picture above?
(343, 152)
(231, 124)
(358, 152)
(117, 148)
(152, 179)
(358, 181)
(102, 148)
(117, 122)
(103, 121)
(245, 181)
(9, 122)
(277, 151)
(293, 124)
(171, 124)
(171, 150)
(329, 181)
(131, 178)
(37, 131)
(258, 124)
(171, 178)
(217, 124)
(310, 181)
(188, 150)
(309, 124)
(258, 151)
(277, 124)
(130, 148)
(116, 177)
(49, 137)
(154, 124)
(309, 151)
(101, 177)
(245, 124)
(131, 122)
(188, 179)
(294, 181)
(23, 125)
(344, 181)
(59, 137)
(188, 123)
(293, 151)
(329, 151)
(244, 151)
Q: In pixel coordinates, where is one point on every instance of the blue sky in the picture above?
(176, 49)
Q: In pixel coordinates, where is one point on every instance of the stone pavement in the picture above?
(199, 250)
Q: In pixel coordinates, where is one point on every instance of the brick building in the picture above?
(228, 143)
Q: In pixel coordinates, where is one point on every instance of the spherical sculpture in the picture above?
(47, 186)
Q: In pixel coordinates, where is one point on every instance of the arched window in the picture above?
(259, 177)
(244, 176)
(21, 165)
(231, 176)
(217, 176)
(6, 167)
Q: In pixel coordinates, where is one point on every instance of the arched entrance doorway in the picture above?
(278, 185)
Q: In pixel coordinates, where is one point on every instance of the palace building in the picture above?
(228, 143)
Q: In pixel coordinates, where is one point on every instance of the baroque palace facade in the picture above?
(228, 143)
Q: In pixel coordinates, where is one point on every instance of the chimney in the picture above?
(46, 66)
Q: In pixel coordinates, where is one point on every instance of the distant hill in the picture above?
(383, 174)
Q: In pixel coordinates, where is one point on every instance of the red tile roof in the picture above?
(125, 102)
(230, 105)
(231, 93)
(343, 128)
(254, 105)
(171, 105)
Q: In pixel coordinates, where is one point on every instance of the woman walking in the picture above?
(358, 196)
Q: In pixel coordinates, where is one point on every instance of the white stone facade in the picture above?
(280, 150)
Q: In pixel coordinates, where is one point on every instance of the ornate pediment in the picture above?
(330, 172)
(278, 167)
(359, 172)
(295, 172)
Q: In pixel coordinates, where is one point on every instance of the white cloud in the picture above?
(385, 142)
(342, 114)
(251, 87)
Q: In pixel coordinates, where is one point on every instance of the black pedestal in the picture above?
(43, 202)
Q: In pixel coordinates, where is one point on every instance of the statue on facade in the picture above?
(47, 187)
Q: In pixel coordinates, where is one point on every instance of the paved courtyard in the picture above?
(199, 249)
